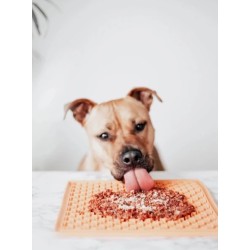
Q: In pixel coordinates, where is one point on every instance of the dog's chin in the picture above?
(120, 170)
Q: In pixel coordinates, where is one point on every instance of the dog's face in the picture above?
(120, 131)
(118, 127)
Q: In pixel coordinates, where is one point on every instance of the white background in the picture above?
(234, 123)
(102, 49)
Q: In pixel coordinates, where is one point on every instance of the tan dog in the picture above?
(121, 136)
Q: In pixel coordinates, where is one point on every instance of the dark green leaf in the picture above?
(40, 10)
(34, 18)
(52, 3)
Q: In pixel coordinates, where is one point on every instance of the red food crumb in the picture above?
(154, 204)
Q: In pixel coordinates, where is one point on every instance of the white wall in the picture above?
(101, 49)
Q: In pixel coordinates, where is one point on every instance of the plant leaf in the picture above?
(40, 10)
(34, 18)
(52, 3)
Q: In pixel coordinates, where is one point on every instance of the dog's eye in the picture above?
(104, 136)
(140, 126)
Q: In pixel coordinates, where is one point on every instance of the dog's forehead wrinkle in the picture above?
(101, 118)
(116, 114)
(129, 113)
(109, 126)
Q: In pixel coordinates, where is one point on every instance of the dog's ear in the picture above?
(80, 109)
(144, 95)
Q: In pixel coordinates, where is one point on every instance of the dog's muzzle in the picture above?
(131, 158)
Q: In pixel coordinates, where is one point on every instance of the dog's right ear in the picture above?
(80, 109)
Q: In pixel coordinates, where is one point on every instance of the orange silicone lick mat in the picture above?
(75, 219)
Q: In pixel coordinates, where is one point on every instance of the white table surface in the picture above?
(48, 191)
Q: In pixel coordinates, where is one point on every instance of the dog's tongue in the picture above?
(137, 179)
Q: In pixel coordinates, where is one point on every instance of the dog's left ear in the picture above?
(144, 95)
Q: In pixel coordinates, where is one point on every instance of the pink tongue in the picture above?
(137, 179)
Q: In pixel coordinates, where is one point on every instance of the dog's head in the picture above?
(120, 131)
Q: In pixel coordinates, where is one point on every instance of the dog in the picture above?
(121, 137)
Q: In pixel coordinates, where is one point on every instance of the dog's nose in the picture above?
(131, 157)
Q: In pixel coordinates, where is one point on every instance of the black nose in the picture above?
(131, 157)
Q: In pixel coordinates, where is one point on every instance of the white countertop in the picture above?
(48, 191)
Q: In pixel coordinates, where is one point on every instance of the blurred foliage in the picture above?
(38, 12)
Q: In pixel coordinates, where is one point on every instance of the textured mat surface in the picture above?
(75, 219)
